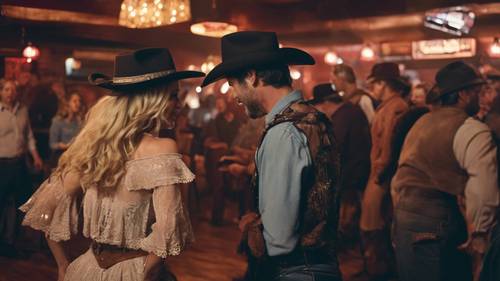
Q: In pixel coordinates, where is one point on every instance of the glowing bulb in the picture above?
(198, 89)
(130, 8)
(331, 58)
(367, 53)
(295, 74)
(29, 60)
(173, 19)
(123, 7)
(224, 88)
(160, 6)
(495, 47)
(340, 61)
(174, 12)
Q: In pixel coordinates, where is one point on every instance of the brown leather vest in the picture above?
(427, 159)
(319, 204)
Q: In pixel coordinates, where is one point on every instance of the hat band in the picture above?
(142, 77)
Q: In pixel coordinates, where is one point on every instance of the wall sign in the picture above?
(444, 48)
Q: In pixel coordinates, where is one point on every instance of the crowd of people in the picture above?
(404, 175)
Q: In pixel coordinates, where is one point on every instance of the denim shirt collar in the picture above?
(293, 96)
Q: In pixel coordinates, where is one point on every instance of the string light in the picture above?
(152, 13)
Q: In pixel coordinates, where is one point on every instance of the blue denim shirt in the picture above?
(283, 162)
(62, 131)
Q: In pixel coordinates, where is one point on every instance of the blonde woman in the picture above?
(126, 176)
(66, 125)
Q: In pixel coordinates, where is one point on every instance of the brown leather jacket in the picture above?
(382, 131)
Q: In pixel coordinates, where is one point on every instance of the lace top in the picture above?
(145, 211)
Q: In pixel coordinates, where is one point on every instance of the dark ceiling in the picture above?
(307, 23)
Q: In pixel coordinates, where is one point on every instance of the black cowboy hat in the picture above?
(324, 92)
(247, 49)
(144, 67)
(456, 76)
(387, 71)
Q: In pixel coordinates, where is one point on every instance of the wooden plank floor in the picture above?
(211, 257)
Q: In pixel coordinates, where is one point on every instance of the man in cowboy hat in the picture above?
(292, 233)
(447, 154)
(352, 133)
(389, 88)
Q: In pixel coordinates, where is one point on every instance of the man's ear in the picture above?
(463, 96)
(252, 79)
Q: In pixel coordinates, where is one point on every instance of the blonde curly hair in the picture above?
(111, 133)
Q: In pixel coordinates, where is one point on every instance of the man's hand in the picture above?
(246, 220)
(38, 163)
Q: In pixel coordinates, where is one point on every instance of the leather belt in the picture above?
(109, 255)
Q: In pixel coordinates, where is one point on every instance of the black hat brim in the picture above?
(494, 77)
(288, 56)
(475, 82)
(106, 82)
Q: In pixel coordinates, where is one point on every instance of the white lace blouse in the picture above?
(145, 211)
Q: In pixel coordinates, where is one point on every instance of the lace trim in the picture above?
(52, 211)
(160, 170)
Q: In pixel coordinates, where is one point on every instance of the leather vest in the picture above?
(319, 196)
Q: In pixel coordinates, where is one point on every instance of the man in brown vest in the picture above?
(291, 235)
(447, 154)
(388, 87)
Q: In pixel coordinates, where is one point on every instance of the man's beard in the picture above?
(254, 109)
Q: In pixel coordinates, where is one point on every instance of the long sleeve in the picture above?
(172, 231)
(475, 151)
(382, 132)
(366, 105)
(54, 209)
(54, 134)
(283, 162)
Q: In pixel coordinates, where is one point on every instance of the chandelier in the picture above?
(209, 22)
(153, 13)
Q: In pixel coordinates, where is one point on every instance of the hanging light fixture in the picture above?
(367, 53)
(209, 21)
(153, 13)
(31, 53)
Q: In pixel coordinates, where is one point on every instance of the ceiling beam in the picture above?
(51, 15)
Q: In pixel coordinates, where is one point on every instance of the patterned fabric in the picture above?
(144, 211)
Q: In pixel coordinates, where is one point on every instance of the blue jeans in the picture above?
(313, 272)
(427, 229)
(491, 268)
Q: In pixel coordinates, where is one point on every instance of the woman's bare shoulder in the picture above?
(153, 146)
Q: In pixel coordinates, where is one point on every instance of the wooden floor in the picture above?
(212, 257)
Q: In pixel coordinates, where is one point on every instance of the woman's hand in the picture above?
(153, 268)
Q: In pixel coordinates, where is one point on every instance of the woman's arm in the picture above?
(60, 256)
